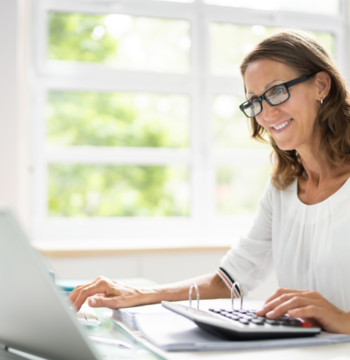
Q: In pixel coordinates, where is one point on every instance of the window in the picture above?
(137, 130)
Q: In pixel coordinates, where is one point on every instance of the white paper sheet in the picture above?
(172, 332)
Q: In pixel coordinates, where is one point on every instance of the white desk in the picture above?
(323, 352)
(327, 352)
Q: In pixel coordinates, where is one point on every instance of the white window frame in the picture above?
(199, 84)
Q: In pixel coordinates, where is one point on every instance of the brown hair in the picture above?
(303, 53)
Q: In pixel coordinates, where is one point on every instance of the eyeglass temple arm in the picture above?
(299, 80)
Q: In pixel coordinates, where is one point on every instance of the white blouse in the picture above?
(308, 245)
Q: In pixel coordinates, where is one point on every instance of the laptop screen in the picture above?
(35, 317)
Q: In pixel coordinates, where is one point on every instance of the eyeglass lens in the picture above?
(276, 95)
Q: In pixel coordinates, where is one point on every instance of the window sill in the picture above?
(63, 249)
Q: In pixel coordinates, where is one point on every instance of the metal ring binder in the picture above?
(194, 285)
(232, 293)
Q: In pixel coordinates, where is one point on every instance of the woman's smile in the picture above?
(281, 125)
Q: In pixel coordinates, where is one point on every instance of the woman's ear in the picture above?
(323, 84)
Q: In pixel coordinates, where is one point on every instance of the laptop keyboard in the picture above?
(248, 316)
(86, 316)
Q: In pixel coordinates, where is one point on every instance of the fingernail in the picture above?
(92, 301)
(270, 314)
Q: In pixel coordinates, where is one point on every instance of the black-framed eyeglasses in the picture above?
(275, 96)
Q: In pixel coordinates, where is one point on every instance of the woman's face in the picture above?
(298, 113)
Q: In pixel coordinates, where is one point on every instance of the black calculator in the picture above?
(244, 324)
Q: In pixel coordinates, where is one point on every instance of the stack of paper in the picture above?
(172, 332)
(127, 315)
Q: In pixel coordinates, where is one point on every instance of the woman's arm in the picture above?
(107, 293)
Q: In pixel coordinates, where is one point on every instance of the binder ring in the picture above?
(194, 285)
(232, 294)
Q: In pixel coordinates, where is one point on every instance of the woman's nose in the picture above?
(269, 112)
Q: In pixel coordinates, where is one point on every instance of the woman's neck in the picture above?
(315, 167)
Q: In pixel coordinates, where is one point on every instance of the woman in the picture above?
(296, 98)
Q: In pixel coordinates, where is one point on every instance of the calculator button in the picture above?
(285, 323)
(257, 322)
(272, 322)
(244, 321)
(306, 324)
(245, 316)
(295, 323)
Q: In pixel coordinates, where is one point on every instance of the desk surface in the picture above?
(144, 350)
(110, 330)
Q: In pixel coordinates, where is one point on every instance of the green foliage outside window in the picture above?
(117, 119)
(105, 190)
(70, 38)
(127, 42)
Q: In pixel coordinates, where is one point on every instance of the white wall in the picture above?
(14, 127)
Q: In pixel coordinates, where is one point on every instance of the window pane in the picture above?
(230, 43)
(117, 119)
(105, 191)
(325, 7)
(231, 129)
(123, 41)
(239, 188)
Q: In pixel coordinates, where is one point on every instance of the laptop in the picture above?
(34, 316)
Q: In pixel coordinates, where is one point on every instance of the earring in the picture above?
(323, 99)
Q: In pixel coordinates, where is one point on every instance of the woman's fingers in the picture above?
(103, 301)
(290, 302)
(283, 296)
(99, 286)
(106, 293)
(280, 292)
(308, 312)
(75, 293)
(275, 301)
(329, 318)
(309, 306)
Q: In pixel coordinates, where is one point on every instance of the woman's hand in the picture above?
(309, 306)
(107, 293)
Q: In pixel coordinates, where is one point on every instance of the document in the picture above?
(172, 332)
(128, 315)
